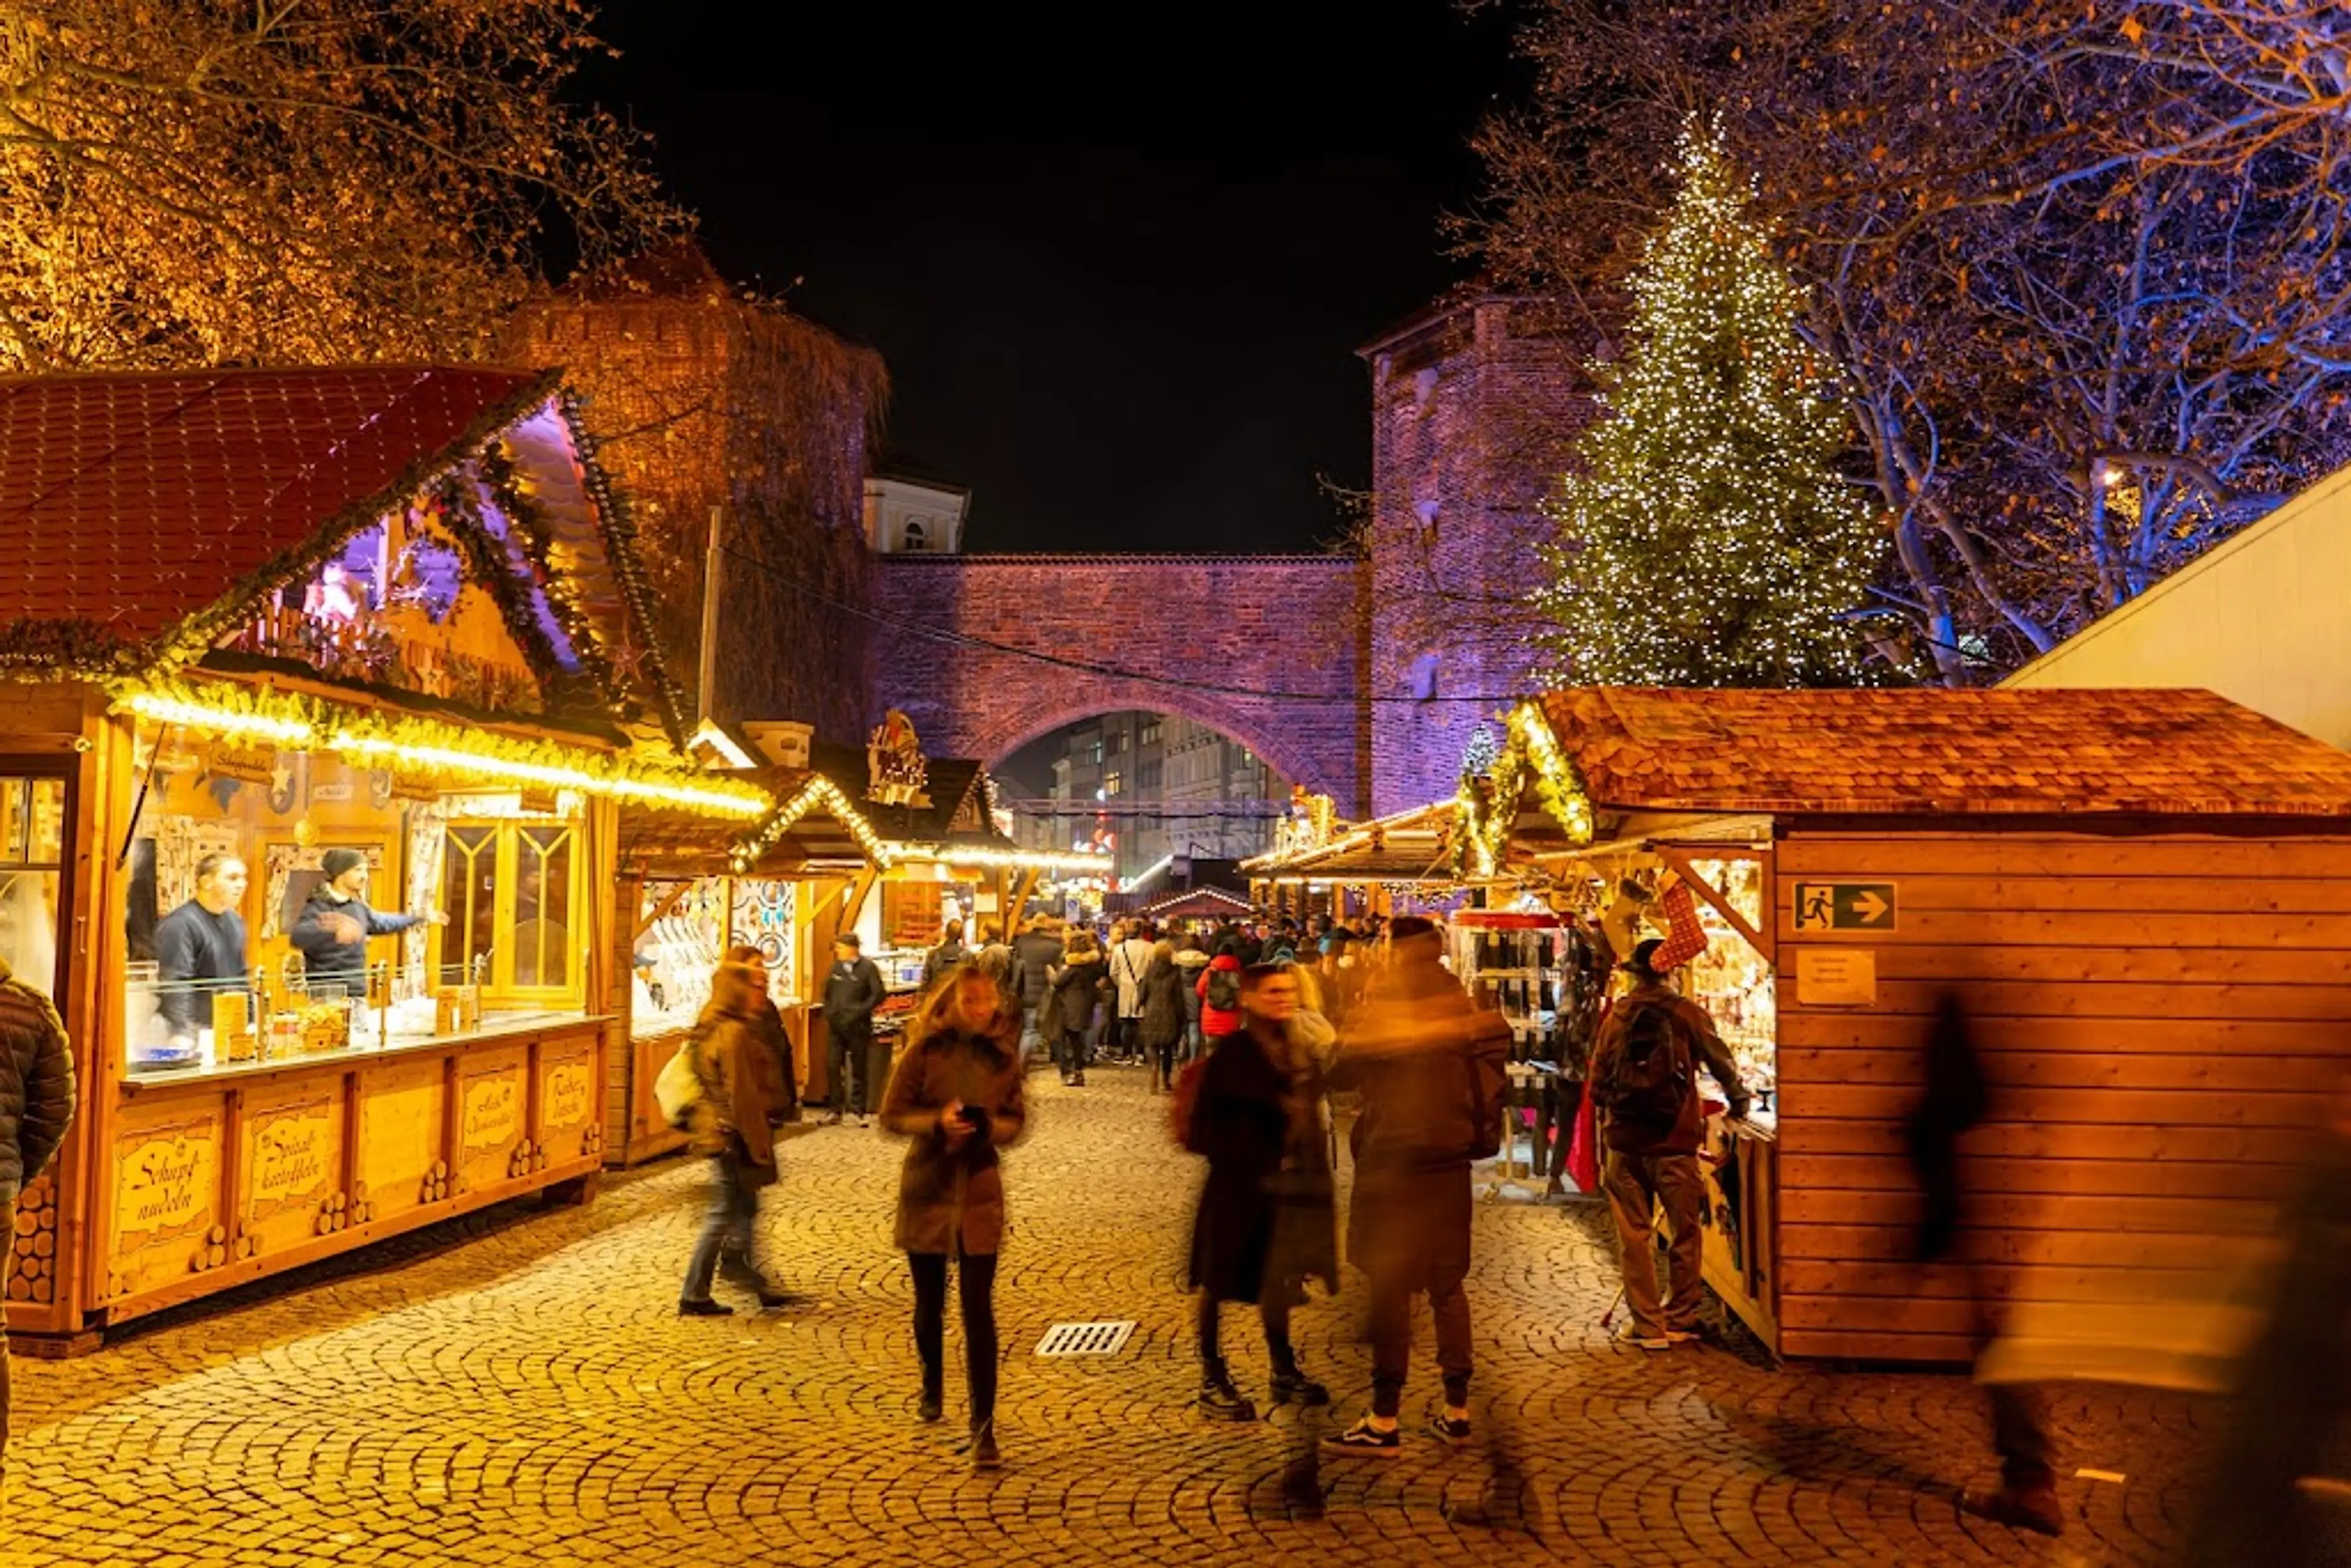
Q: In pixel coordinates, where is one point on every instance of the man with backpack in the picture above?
(1433, 1068)
(1644, 1081)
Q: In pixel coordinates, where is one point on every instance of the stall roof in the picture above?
(1405, 846)
(811, 821)
(139, 508)
(1195, 903)
(1932, 751)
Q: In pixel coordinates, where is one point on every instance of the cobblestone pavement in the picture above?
(516, 1388)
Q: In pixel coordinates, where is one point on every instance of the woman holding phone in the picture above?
(957, 1096)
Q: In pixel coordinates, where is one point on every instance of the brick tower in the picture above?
(704, 401)
(1474, 404)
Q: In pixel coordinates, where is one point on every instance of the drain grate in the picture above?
(1086, 1339)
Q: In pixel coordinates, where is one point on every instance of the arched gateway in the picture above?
(988, 653)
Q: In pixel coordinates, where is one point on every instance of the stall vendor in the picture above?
(200, 944)
(336, 922)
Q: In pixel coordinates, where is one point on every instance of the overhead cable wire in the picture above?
(1084, 666)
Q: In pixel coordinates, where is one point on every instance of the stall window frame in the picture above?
(32, 768)
(500, 987)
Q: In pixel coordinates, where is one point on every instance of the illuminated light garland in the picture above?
(706, 799)
(230, 721)
(1370, 835)
(781, 819)
(431, 746)
(1012, 859)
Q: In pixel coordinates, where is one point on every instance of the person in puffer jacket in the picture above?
(1191, 966)
(37, 1106)
(1220, 999)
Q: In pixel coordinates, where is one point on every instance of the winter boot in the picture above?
(1292, 1386)
(1219, 1400)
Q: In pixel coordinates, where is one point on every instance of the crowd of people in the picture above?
(1249, 1028)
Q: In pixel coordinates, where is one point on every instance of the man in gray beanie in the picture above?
(336, 922)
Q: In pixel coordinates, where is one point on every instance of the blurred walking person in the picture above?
(1219, 989)
(1645, 1090)
(959, 1095)
(944, 958)
(996, 961)
(742, 1097)
(1070, 1003)
(37, 1106)
(1266, 1222)
(1191, 965)
(1958, 1098)
(1425, 1060)
(1159, 1028)
(1037, 953)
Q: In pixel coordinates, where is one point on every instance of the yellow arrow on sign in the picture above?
(1870, 907)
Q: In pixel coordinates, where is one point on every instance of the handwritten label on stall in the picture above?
(166, 1180)
(1836, 977)
(567, 1093)
(493, 1111)
(293, 1156)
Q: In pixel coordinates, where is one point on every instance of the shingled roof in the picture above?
(1942, 752)
(131, 501)
(132, 504)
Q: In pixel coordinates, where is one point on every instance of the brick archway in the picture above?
(1115, 696)
(1268, 649)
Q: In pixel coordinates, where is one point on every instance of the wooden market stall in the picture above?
(260, 628)
(2144, 899)
(694, 886)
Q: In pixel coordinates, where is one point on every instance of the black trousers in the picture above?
(848, 1092)
(1072, 1053)
(979, 1301)
(1272, 1310)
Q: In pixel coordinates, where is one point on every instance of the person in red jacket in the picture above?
(1220, 997)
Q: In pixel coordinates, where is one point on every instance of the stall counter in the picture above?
(213, 1179)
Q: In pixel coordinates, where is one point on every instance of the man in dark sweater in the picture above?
(336, 922)
(200, 947)
(1036, 954)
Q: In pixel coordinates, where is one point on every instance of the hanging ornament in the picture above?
(1485, 746)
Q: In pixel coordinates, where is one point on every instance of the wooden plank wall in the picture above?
(2162, 1015)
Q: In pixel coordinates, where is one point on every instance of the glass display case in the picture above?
(674, 953)
(283, 904)
(1732, 980)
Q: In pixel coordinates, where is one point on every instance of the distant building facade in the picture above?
(1162, 785)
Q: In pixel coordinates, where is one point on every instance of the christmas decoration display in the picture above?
(1478, 757)
(1487, 805)
(1706, 538)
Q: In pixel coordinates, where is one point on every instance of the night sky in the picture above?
(1118, 261)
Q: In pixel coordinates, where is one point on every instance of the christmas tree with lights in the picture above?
(1705, 537)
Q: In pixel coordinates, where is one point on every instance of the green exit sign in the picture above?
(1845, 906)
